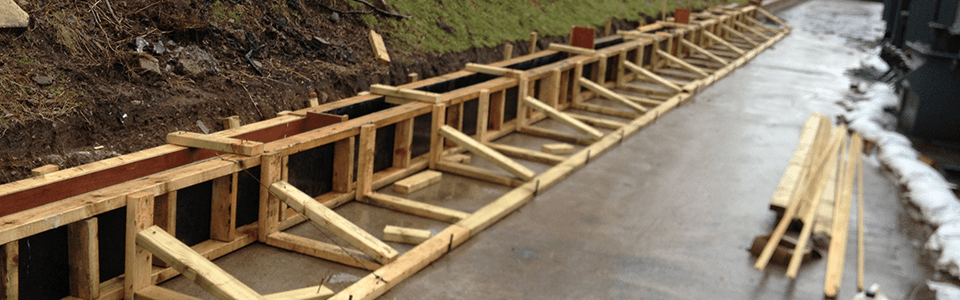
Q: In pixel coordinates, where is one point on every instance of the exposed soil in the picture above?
(76, 89)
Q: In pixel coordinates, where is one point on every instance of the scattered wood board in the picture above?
(405, 235)
(379, 49)
(416, 182)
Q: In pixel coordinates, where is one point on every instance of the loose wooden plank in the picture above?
(683, 64)
(379, 49)
(137, 261)
(597, 122)
(39, 172)
(307, 293)
(416, 182)
(477, 173)
(405, 235)
(705, 52)
(527, 154)
(404, 93)
(460, 158)
(491, 70)
(368, 138)
(485, 152)
(562, 117)
(321, 250)
(416, 208)
(223, 212)
(343, 164)
(656, 78)
(10, 271)
(606, 93)
(841, 221)
(572, 49)
(84, 257)
(158, 293)
(193, 266)
(556, 135)
(330, 220)
(642, 100)
(558, 148)
(216, 143)
(723, 42)
(799, 164)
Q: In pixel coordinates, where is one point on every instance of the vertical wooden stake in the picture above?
(483, 113)
(436, 141)
(10, 272)
(577, 74)
(497, 105)
(368, 138)
(533, 42)
(601, 70)
(232, 121)
(654, 56)
(137, 266)
(44, 170)
(284, 175)
(413, 77)
(343, 165)
(522, 91)
(402, 141)
(606, 28)
(507, 51)
(223, 208)
(268, 216)
(550, 90)
(563, 88)
(663, 12)
(621, 72)
(165, 217)
(83, 255)
(454, 119)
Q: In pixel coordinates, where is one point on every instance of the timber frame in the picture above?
(667, 63)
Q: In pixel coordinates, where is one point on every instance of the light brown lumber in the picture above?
(365, 157)
(760, 25)
(483, 114)
(416, 182)
(605, 110)
(683, 64)
(165, 217)
(413, 77)
(193, 266)
(407, 94)
(158, 293)
(268, 213)
(562, 117)
(572, 49)
(723, 42)
(752, 30)
(550, 89)
(739, 34)
(477, 173)
(656, 78)
(818, 168)
(137, 261)
(379, 282)
(405, 235)
(492, 70)
(402, 143)
(774, 18)
(216, 143)
(232, 122)
(600, 72)
(705, 52)
(860, 208)
(223, 211)
(343, 164)
(485, 152)
(621, 70)
(379, 49)
(818, 183)
(330, 220)
(560, 148)
(556, 135)
(318, 249)
(9, 273)
(307, 293)
(597, 122)
(527, 154)
(800, 162)
(642, 100)
(507, 51)
(576, 96)
(416, 208)
(606, 93)
(460, 158)
(44, 170)
(841, 221)
(438, 119)
(532, 47)
(84, 257)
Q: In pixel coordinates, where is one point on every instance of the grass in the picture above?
(486, 23)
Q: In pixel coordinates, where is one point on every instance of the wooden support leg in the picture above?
(269, 212)
(497, 104)
(165, 217)
(402, 141)
(654, 56)
(84, 252)
(436, 141)
(550, 91)
(621, 72)
(577, 74)
(454, 118)
(10, 271)
(507, 51)
(223, 213)
(343, 165)
(563, 118)
(137, 265)
(522, 88)
(601, 70)
(563, 88)
(483, 113)
(489, 154)
(368, 137)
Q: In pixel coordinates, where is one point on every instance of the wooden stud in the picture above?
(601, 69)
(654, 55)
(497, 105)
(379, 49)
(653, 76)
(683, 64)
(563, 88)
(313, 101)
(460, 158)
(606, 28)
(860, 208)
(841, 220)
(557, 148)
(41, 171)
(556, 135)
(343, 164)
(492, 70)
(330, 252)
(165, 217)
(158, 293)
(507, 51)
(402, 143)
(413, 77)
(774, 18)
(739, 34)
(333, 222)
(307, 293)
(562, 117)
(572, 49)
(137, 262)
(481, 150)
(483, 114)
(406, 94)
(416, 208)
(405, 235)
(577, 74)
(477, 173)
(705, 52)
(216, 143)
(192, 265)
(84, 257)
(269, 209)
(416, 182)
(642, 100)
(454, 119)
(600, 90)
(436, 140)
(752, 30)
(232, 122)
(532, 47)
(621, 72)
(223, 217)
(527, 154)
(10, 271)
(597, 122)
(523, 88)
(368, 138)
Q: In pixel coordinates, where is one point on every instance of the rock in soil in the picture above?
(12, 16)
(43, 80)
(149, 64)
(197, 63)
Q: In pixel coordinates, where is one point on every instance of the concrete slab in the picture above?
(668, 214)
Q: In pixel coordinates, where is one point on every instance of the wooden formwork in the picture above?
(253, 179)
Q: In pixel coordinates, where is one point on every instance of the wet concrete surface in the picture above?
(668, 214)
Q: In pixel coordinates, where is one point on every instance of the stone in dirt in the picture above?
(12, 16)
(42, 80)
(148, 63)
(197, 63)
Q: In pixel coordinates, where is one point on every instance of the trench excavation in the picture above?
(124, 224)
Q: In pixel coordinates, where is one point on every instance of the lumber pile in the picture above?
(817, 189)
